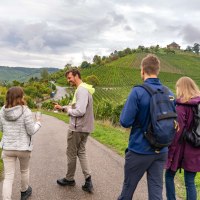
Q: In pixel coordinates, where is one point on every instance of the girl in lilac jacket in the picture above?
(182, 154)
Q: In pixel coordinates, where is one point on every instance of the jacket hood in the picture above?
(12, 114)
(192, 101)
(88, 87)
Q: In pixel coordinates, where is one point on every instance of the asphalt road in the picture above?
(48, 163)
(61, 92)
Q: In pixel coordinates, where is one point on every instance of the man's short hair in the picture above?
(74, 72)
(151, 64)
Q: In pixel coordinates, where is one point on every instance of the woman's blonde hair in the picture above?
(14, 97)
(186, 89)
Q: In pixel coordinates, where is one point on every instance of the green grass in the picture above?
(61, 116)
(117, 139)
(180, 186)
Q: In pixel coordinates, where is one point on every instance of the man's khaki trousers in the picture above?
(76, 142)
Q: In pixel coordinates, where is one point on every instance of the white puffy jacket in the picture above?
(18, 126)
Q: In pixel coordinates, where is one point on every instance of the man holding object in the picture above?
(80, 126)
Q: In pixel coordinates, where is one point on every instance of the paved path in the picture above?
(61, 92)
(49, 163)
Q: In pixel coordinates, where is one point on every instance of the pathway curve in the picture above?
(61, 92)
(48, 163)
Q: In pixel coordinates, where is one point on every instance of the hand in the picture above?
(58, 107)
(65, 108)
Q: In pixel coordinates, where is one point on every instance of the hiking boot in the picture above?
(88, 187)
(65, 182)
(26, 194)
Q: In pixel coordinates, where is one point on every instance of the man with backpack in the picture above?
(150, 112)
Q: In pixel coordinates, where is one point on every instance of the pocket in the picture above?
(77, 121)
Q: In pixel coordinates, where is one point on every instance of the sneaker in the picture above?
(26, 194)
(65, 182)
(88, 187)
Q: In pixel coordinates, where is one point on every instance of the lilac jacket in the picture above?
(182, 154)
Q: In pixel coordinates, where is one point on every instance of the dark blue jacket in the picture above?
(135, 114)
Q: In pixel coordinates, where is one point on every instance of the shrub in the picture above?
(30, 102)
(2, 100)
(93, 80)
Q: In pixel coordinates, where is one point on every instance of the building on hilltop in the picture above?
(173, 45)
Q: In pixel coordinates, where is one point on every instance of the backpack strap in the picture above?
(148, 89)
(194, 108)
(152, 91)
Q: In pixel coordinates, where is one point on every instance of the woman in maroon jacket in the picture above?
(181, 153)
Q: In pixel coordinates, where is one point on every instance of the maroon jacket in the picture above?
(182, 154)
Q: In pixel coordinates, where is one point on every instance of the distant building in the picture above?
(173, 45)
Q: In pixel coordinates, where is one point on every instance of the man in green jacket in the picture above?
(80, 126)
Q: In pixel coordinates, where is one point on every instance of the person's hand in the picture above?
(58, 107)
(65, 108)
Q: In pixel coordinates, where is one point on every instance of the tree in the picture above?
(93, 80)
(85, 64)
(16, 83)
(44, 74)
(196, 48)
(97, 60)
(104, 57)
(68, 65)
(127, 51)
(188, 48)
(141, 48)
(121, 53)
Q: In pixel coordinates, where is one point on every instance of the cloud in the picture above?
(49, 33)
(191, 34)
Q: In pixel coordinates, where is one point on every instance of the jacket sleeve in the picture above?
(130, 109)
(31, 126)
(81, 103)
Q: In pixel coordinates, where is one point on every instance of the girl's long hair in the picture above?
(186, 89)
(14, 97)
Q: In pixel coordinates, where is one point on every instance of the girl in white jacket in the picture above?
(18, 126)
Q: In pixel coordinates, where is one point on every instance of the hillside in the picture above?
(21, 73)
(118, 77)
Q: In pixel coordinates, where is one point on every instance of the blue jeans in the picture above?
(189, 178)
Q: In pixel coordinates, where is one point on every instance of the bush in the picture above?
(2, 100)
(116, 114)
(48, 105)
(105, 110)
(30, 102)
(93, 80)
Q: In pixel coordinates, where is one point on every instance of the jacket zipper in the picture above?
(75, 122)
(30, 141)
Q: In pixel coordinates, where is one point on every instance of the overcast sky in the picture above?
(52, 33)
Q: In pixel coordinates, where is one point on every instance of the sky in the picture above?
(52, 33)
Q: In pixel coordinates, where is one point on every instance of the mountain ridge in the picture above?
(8, 74)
